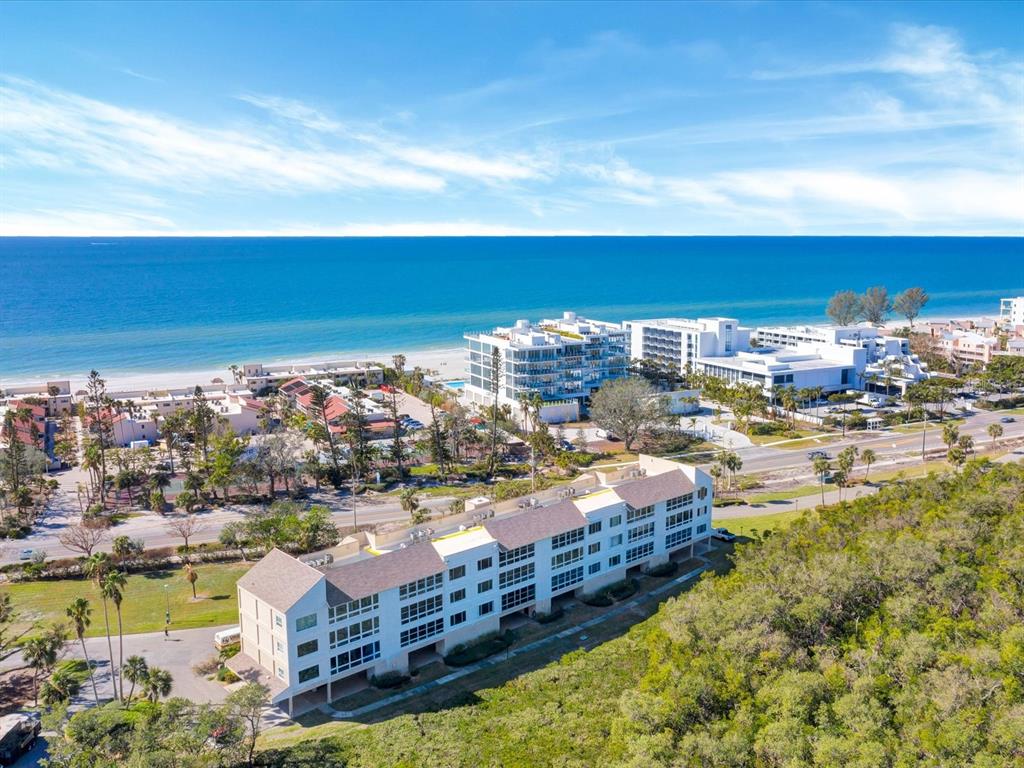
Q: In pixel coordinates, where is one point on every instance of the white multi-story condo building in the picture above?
(835, 358)
(564, 361)
(260, 376)
(1011, 312)
(319, 625)
(54, 396)
(680, 342)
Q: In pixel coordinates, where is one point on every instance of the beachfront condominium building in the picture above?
(564, 361)
(260, 376)
(1011, 313)
(322, 625)
(834, 358)
(680, 343)
(54, 396)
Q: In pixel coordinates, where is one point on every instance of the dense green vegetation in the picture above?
(887, 631)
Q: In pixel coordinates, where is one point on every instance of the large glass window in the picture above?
(679, 501)
(516, 575)
(306, 648)
(309, 673)
(422, 632)
(639, 553)
(567, 558)
(639, 514)
(305, 622)
(357, 630)
(515, 555)
(641, 532)
(566, 578)
(518, 597)
(354, 657)
(567, 538)
(354, 608)
(457, 572)
(420, 587)
(417, 611)
(677, 538)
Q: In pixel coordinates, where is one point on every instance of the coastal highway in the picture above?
(889, 446)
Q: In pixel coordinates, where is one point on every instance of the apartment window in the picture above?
(282, 672)
(702, 493)
(567, 538)
(615, 541)
(280, 646)
(305, 622)
(458, 594)
(515, 555)
(354, 608)
(516, 575)
(486, 608)
(278, 621)
(306, 648)
(679, 501)
(417, 611)
(614, 520)
(614, 560)
(457, 572)
(355, 657)
(518, 597)
(355, 631)
(639, 514)
(457, 618)
(639, 553)
(567, 558)
(678, 519)
(484, 586)
(702, 528)
(309, 673)
(567, 578)
(677, 538)
(594, 528)
(641, 532)
(422, 632)
(484, 563)
(420, 587)
(593, 568)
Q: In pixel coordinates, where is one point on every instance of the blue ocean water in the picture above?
(133, 304)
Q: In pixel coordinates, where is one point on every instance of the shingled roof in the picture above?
(535, 524)
(651, 490)
(392, 569)
(280, 580)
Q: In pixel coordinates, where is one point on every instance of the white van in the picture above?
(227, 637)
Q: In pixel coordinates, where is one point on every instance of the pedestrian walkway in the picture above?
(501, 658)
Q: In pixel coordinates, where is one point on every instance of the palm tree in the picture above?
(821, 468)
(408, 500)
(59, 688)
(136, 670)
(37, 654)
(192, 575)
(868, 458)
(995, 431)
(112, 588)
(158, 683)
(950, 434)
(96, 567)
(79, 612)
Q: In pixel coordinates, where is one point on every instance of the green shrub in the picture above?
(663, 569)
(622, 590)
(225, 675)
(547, 618)
(598, 599)
(389, 680)
(488, 645)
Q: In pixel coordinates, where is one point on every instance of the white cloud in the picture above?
(295, 111)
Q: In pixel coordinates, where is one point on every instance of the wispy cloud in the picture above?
(138, 75)
(294, 111)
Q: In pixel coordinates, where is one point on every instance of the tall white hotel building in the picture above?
(380, 603)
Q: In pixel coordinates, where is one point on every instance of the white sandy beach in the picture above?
(446, 362)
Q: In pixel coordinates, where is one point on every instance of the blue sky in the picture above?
(498, 118)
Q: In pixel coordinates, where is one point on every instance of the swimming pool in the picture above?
(455, 384)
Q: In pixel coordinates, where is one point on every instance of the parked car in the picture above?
(26, 554)
(18, 733)
(1007, 419)
(565, 445)
(817, 453)
(723, 534)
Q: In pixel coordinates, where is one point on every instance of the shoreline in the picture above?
(447, 361)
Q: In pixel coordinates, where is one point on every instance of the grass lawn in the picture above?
(745, 526)
(765, 439)
(809, 442)
(145, 600)
(794, 493)
(915, 426)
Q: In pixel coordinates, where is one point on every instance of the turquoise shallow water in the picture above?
(133, 304)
